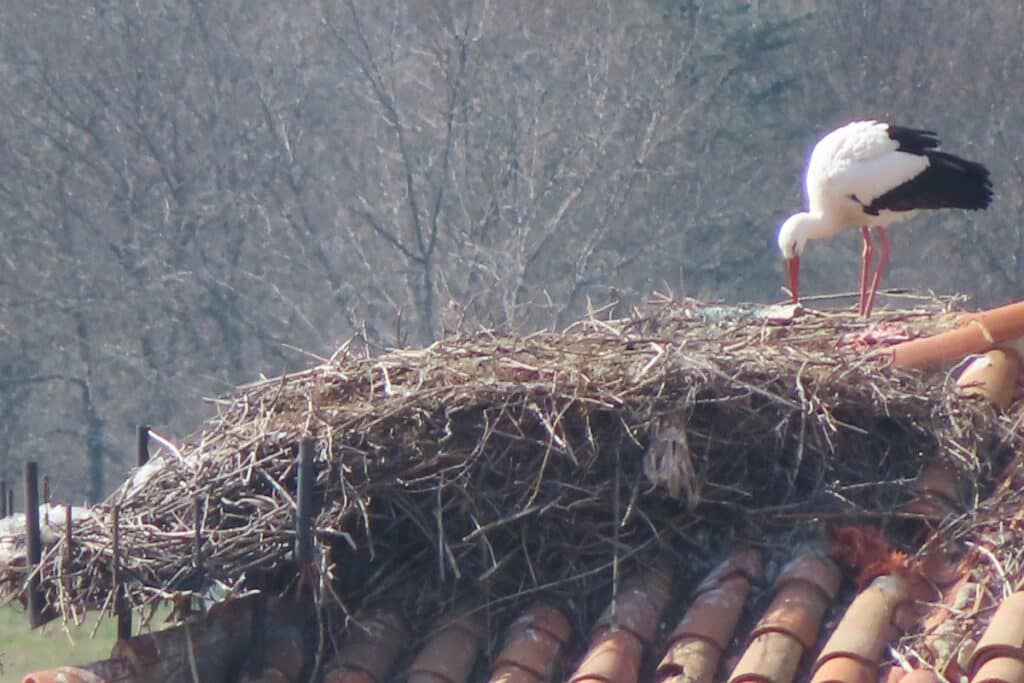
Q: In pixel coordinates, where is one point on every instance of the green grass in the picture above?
(24, 651)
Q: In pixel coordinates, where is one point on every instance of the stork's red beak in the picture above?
(794, 278)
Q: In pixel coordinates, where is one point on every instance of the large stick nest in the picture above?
(504, 465)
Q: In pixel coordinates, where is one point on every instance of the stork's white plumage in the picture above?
(872, 174)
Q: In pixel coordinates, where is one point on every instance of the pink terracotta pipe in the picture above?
(978, 332)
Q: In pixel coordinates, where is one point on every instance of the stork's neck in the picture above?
(816, 226)
(803, 226)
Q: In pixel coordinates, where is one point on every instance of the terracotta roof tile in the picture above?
(696, 644)
(1002, 640)
(105, 671)
(876, 616)
(993, 377)
(450, 653)
(1000, 670)
(370, 648)
(637, 607)
(629, 621)
(613, 657)
(844, 669)
(533, 643)
(789, 627)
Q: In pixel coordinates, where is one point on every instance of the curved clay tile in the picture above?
(532, 646)
(613, 657)
(638, 606)
(450, 653)
(370, 648)
(892, 674)
(789, 627)
(629, 622)
(696, 644)
(978, 333)
(876, 616)
(1001, 648)
(992, 377)
(105, 671)
(1000, 670)
(284, 654)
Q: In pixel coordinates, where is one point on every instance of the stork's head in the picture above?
(793, 236)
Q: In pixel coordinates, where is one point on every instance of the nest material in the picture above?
(502, 466)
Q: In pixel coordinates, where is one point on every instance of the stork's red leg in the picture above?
(883, 261)
(864, 268)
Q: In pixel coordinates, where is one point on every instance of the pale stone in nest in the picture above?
(668, 461)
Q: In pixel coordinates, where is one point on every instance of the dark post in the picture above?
(67, 548)
(121, 609)
(10, 501)
(3, 498)
(304, 514)
(33, 544)
(197, 529)
(258, 629)
(142, 445)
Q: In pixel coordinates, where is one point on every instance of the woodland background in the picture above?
(194, 193)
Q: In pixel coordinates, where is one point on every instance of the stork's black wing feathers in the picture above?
(948, 182)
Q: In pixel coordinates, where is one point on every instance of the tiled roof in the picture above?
(795, 630)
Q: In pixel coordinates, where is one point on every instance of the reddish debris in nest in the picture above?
(883, 334)
(868, 551)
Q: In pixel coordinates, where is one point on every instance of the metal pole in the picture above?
(304, 514)
(142, 445)
(33, 544)
(3, 498)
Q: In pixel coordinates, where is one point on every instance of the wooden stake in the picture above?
(121, 608)
(141, 445)
(258, 630)
(197, 530)
(304, 503)
(33, 544)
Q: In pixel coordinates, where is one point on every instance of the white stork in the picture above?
(872, 174)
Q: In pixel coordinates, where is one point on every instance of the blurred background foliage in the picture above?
(195, 193)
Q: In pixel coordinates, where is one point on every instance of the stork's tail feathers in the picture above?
(967, 183)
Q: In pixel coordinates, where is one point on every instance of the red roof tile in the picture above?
(370, 650)
(533, 644)
(854, 651)
(1003, 640)
(450, 653)
(789, 627)
(696, 644)
(992, 377)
